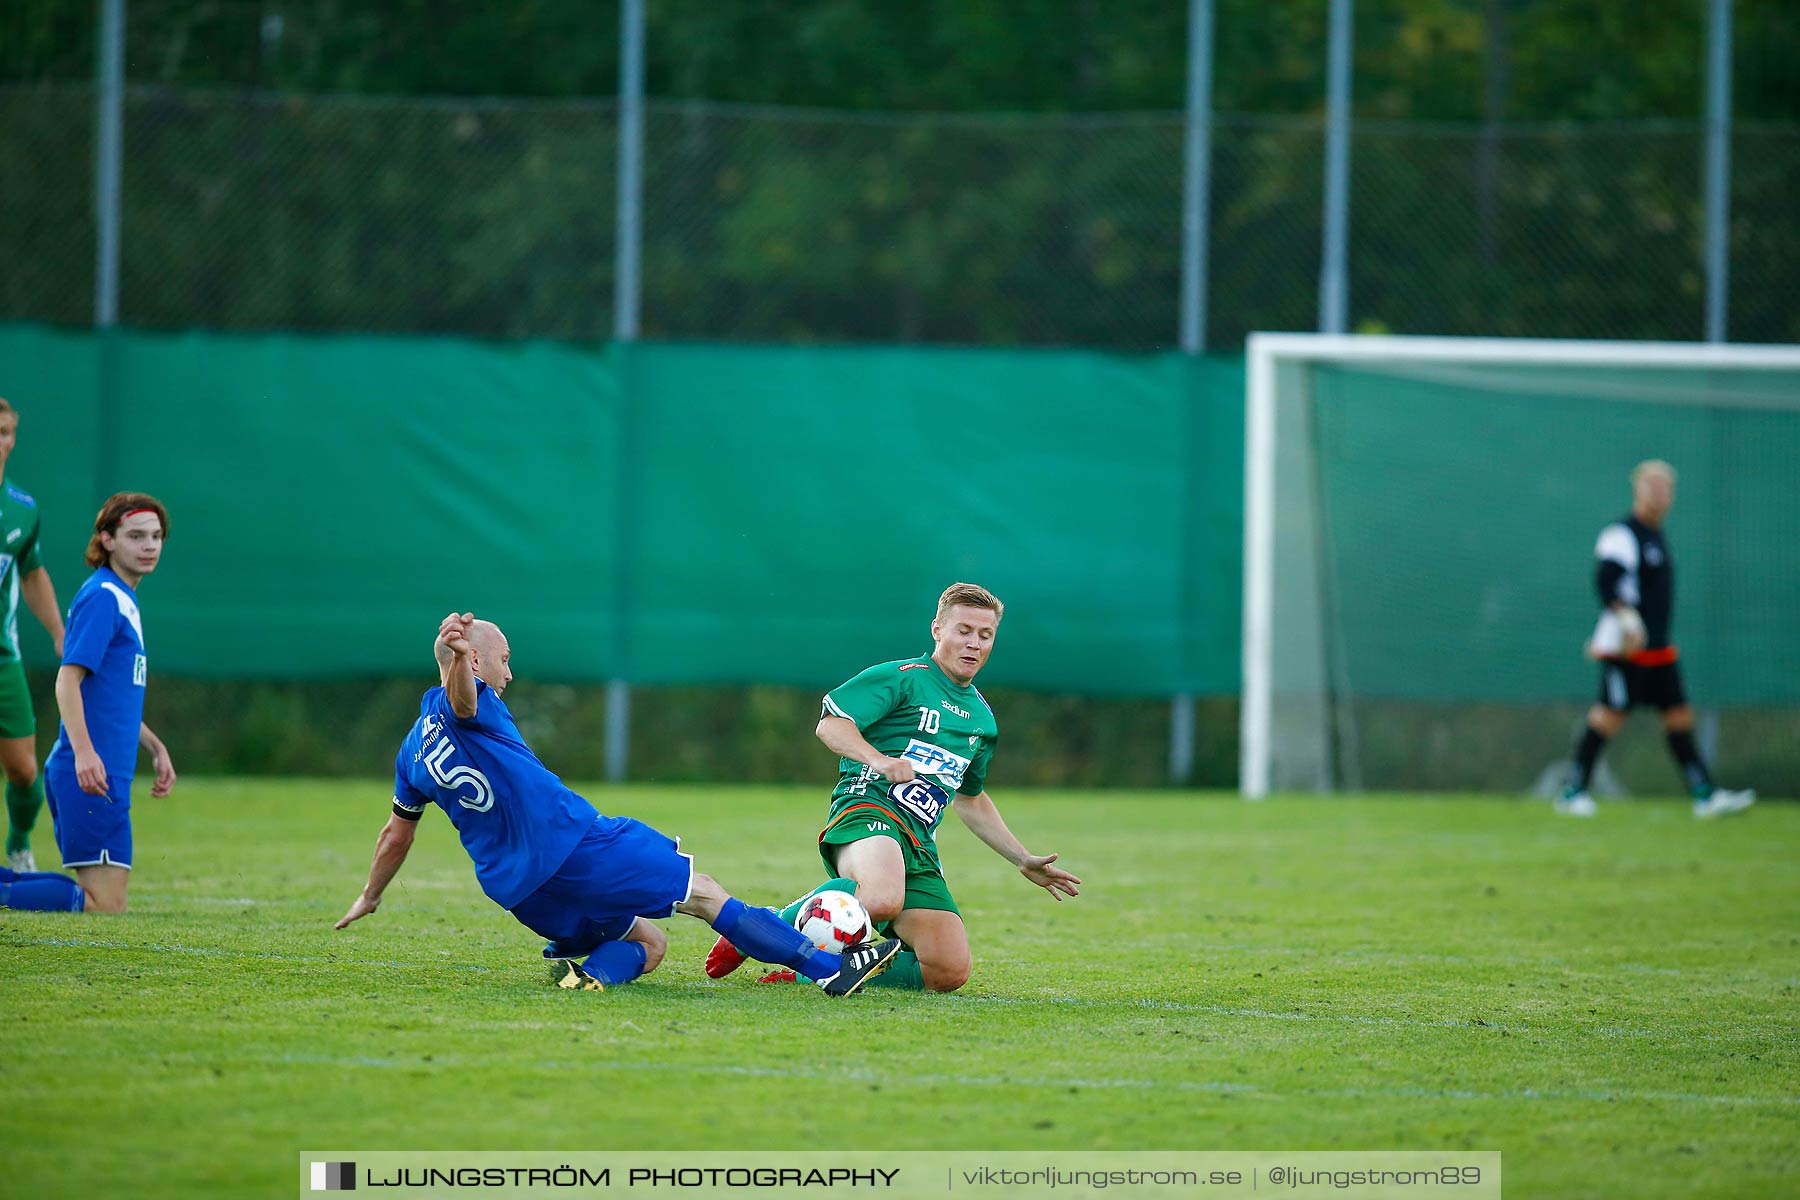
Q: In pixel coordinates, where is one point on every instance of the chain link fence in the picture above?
(773, 225)
(47, 229)
(258, 211)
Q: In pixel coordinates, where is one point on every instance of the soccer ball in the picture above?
(833, 920)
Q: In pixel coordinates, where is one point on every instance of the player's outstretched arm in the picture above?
(844, 739)
(983, 818)
(391, 849)
(455, 665)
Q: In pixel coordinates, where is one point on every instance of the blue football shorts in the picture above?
(620, 870)
(91, 831)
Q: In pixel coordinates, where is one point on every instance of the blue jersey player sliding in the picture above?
(588, 883)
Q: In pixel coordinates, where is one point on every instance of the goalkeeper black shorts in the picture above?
(1624, 685)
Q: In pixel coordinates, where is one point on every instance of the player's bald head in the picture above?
(486, 637)
(491, 657)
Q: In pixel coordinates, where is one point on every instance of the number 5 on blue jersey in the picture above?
(453, 779)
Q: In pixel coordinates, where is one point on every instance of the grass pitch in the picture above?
(1610, 1003)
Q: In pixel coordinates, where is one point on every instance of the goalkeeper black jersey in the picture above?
(1635, 567)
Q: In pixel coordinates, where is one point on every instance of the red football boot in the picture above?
(723, 959)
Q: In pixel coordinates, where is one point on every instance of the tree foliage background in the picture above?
(1424, 59)
(848, 170)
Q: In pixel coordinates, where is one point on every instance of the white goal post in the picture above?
(1275, 357)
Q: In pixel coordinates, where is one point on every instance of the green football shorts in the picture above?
(16, 718)
(925, 885)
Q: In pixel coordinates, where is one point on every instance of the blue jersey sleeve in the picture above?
(409, 805)
(487, 710)
(93, 619)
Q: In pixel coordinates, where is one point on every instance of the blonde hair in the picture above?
(7, 410)
(971, 594)
(1652, 466)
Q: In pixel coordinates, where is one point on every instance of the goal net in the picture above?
(1420, 520)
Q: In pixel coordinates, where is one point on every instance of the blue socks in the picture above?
(766, 937)
(616, 962)
(610, 962)
(758, 932)
(40, 891)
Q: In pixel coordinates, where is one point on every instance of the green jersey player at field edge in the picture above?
(22, 574)
(910, 735)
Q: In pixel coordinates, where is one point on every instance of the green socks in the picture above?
(22, 805)
(903, 972)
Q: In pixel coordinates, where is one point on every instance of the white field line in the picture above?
(1266, 1014)
(260, 955)
(862, 1075)
(1220, 949)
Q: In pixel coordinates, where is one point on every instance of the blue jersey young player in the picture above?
(100, 690)
(588, 883)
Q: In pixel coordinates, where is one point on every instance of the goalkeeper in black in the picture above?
(1635, 576)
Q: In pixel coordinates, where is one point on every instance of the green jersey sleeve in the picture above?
(866, 698)
(19, 514)
(29, 559)
(975, 778)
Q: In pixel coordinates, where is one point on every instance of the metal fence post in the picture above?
(1195, 210)
(627, 296)
(1197, 177)
(109, 138)
(1718, 167)
(1334, 279)
(109, 153)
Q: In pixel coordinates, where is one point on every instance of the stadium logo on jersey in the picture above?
(921, 799)
(13, 536)
(952, 708)
(1652, 556)
(937, 761)
(140, 670)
